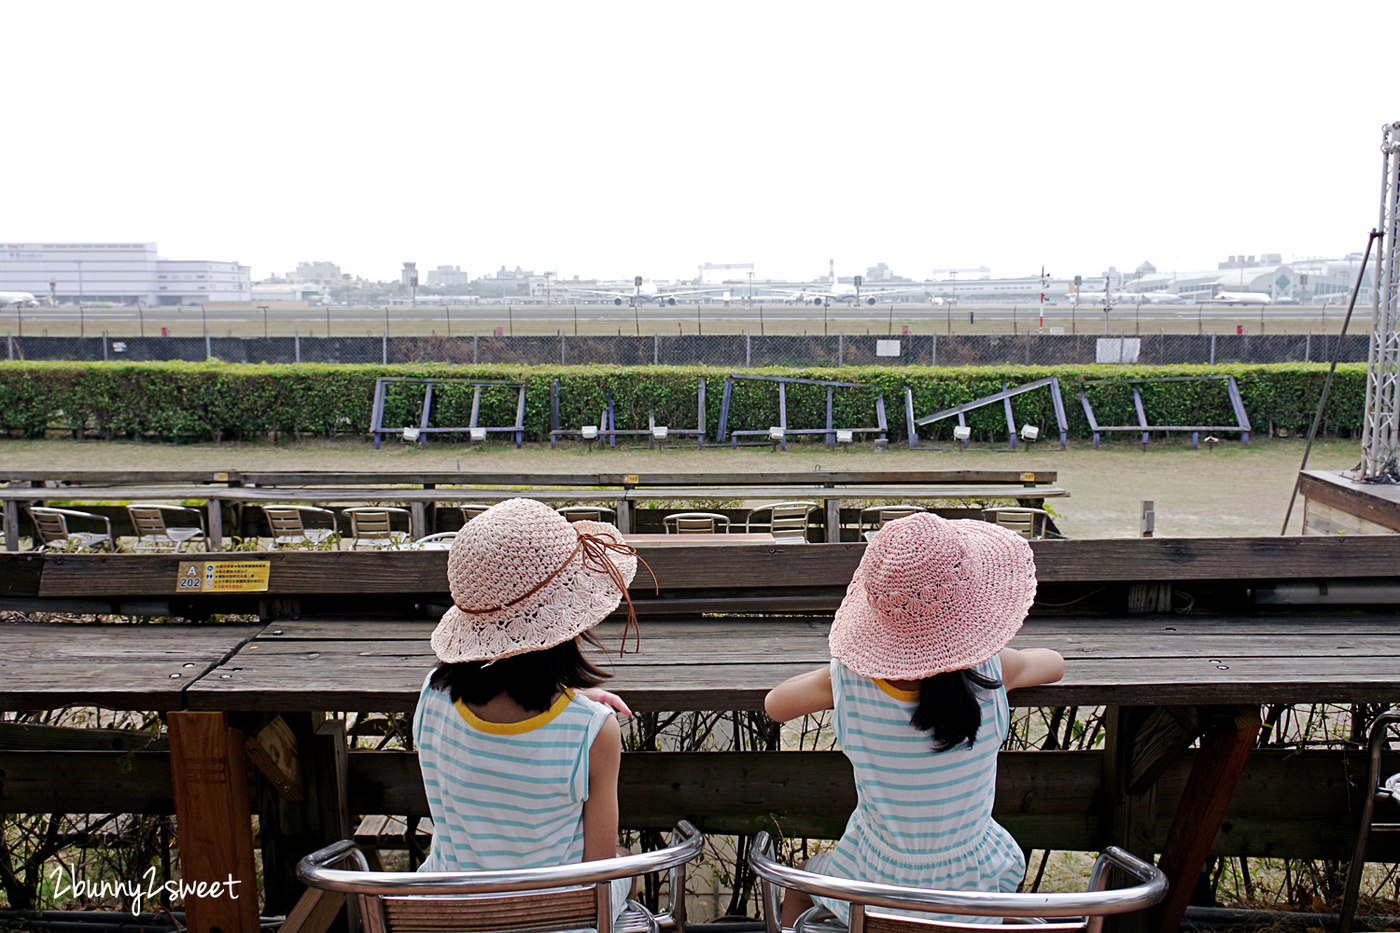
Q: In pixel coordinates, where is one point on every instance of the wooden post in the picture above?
(209, 771)
(216, 524)
(833, 520)
(11, 527)
(1219, 764)
(1147, 523)
(1130, 817)
(291, 828)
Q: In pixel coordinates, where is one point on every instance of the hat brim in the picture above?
(997, 600)
(569, 605)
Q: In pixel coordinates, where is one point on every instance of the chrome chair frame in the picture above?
(385, 538)
(1377, 791)
(428, 890)
(438, 541)
(47, 520)
(694, 523)
(289, 532)
(1073, 911)
(787, 521)
(1031, 524)
(882, 515)
(471, 510)
(590, 513)
(148, 521)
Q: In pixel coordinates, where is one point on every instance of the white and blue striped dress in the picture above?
(922, 817)
(506, 795)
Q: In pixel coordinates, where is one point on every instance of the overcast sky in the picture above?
(620, 139)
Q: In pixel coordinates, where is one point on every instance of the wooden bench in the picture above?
(1183, 640)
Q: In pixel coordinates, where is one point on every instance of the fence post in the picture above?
(386, 345)
(655, 348)
(841, 348)
(296, 342)
(473, 348)
(208, 350)
(933, 351)
(1121, 339)
(1212, 348)
(1307, 349)
(10, 347)
(748, 351)
(562, 352)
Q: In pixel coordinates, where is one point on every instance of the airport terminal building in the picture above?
(123, 273)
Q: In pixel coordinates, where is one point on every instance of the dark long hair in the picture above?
(948, 708)
(531, 679)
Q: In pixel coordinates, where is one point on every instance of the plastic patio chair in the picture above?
(787, 521)
(878, 516)
(288, 526)
(695, 523)
(1020, 912)
(51, 530)
(373, 526)
(565, 897)
(588, 513)
(439, 541)
(154, 531)
(1031, 524)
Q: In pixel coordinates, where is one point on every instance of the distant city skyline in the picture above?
(621, 139)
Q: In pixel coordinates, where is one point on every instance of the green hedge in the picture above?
(205, 401)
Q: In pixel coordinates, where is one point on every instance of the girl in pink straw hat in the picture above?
(518, 746)
(918, 682)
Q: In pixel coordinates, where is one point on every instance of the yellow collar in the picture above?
(516, 728)
(908, 696)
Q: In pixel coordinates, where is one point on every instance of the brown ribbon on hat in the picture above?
(595, 557)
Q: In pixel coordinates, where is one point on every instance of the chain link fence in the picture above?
(744, 350)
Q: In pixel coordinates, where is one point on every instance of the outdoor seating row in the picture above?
(169, 528)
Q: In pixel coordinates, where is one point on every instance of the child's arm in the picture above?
(800, 695)
(1030, 667)
(600, 809)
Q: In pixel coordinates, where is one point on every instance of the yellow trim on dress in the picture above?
(515, 728)
(908, 696)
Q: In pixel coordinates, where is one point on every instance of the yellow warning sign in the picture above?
(223, 576)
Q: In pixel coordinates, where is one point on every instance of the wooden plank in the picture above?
(21, 573)
(143, 667)
(314, 912)
(209, 778)
(21, 736)
(839, 477)
(119, 477)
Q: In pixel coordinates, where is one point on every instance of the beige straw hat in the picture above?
(524, 579)
(933, 595)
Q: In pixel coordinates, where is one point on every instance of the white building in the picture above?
(118, 272)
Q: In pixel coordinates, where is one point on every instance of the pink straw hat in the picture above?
(933, 595)
(524, 579)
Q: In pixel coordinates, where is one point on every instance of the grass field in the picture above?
(1232, 490)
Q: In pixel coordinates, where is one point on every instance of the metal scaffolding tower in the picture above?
(1380, 442)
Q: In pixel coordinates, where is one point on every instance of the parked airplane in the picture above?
(849, 293)
(1126, 298)
(1223, 297)
(21, 299)
(644, 292)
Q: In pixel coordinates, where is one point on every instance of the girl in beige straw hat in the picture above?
(918, 682)
(518, 746)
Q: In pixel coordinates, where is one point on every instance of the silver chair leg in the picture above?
(1379, 732)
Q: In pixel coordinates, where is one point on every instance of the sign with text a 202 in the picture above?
(223, 576)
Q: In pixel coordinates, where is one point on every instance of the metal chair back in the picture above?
(875, 517)
(695, 523)
(588, 513)
(787, 521)
(51, 528)
(288, 526)
(471, 510)
(155, 533)
(1042, 913)
(1029, 523)
(374, 526)
(1377, 791)
(566, 897)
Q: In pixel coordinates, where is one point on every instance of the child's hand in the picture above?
(607, 698)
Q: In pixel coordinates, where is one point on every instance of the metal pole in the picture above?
(748, 351)
(208, 351)
(1307, 349)
(296, 342)
(933, 350)
(575, 320)
(563, 358)
(473, 348)
(10, 347)
(1212, 348)
(447, 311)
(386, 346)
(841, 349)
(104, 346)
(80, 320)
(655, 348)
